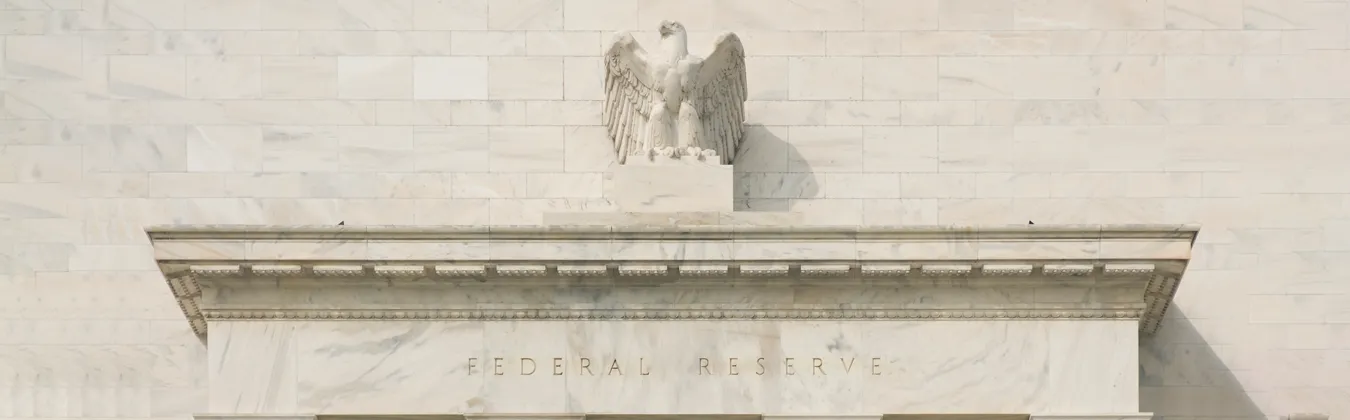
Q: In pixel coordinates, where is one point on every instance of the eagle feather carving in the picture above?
(674, 104)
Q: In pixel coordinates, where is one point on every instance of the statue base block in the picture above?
(737, 218)
(668, 185)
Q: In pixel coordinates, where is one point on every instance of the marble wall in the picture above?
(674, 367)
(118, 114)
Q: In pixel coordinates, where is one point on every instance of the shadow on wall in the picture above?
(1180, 376)
(770, 174)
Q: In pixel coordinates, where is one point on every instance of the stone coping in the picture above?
(1146, 261)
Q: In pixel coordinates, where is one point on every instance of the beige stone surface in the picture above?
(119, 114)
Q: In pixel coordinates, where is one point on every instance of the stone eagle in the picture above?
(672, 103)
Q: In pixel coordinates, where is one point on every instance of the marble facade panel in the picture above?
(252, 368)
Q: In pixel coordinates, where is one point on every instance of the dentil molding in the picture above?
(396, 271)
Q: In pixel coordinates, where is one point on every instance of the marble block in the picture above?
(673, 185)
(695, 218)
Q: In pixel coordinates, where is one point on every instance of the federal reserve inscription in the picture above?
(702, 366)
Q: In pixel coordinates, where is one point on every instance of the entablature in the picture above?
(299, 272)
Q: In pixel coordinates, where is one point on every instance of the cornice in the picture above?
(692, 232)
(469, 314)
(796, 272)
(1149, 259)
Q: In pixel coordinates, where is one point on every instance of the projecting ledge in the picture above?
(204, 244)
(1124, 272)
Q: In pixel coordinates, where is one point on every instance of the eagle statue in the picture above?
(673, 104)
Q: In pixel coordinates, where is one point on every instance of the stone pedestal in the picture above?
(665, 185)
(664, 191)
(694, 218)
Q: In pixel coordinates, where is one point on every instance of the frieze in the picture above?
(697, 366)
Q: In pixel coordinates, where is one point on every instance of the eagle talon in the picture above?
(694, 152)
(668, 152)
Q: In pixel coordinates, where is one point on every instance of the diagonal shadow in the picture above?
(771, 175)
(1181, 376)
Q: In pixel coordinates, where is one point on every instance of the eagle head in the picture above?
(669, 27)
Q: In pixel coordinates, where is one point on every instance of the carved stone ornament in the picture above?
(673, 104)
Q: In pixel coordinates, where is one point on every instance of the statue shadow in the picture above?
(770, 174)
(1180, 375)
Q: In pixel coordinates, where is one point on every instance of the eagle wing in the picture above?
(719, 93)
(628, 91)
